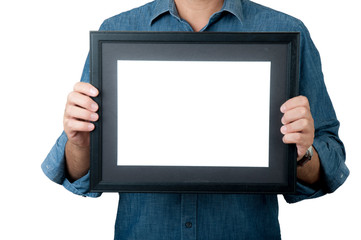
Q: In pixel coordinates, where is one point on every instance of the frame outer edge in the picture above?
(95, 137)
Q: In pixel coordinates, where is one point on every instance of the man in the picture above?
(309, 122)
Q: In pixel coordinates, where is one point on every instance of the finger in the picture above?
(296, 138)
(83, 101)
(86, 88)
(295, 114)
(301, 125)
(299, 101)
(302, 141)
(72, 125)
(80, 113)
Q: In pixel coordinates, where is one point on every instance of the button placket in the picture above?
(189, 216)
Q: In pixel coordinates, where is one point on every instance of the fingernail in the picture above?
(283, 129)
(94, 116)
(283, 108)
(90, 126)
(93, 92)
(94, 106)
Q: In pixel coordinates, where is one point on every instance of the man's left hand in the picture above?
(298, 126)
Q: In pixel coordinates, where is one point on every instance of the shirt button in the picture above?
(188, 224)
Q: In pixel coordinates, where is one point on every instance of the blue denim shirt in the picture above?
(218, 216)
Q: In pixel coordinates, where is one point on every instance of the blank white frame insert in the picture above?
(190, 113)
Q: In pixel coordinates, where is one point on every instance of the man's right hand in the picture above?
(80, 111)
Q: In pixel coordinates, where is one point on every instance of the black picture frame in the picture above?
(106, 48)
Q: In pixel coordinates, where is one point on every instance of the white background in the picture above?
(43, 45)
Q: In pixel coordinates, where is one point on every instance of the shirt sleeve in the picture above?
(327, 143)
(54, 168)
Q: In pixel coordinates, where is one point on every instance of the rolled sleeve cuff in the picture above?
(80, 186)
(54, 168)
(304, 192)
(334, 174)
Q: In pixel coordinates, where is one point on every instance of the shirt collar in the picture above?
(162, 6)
(234, 7)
